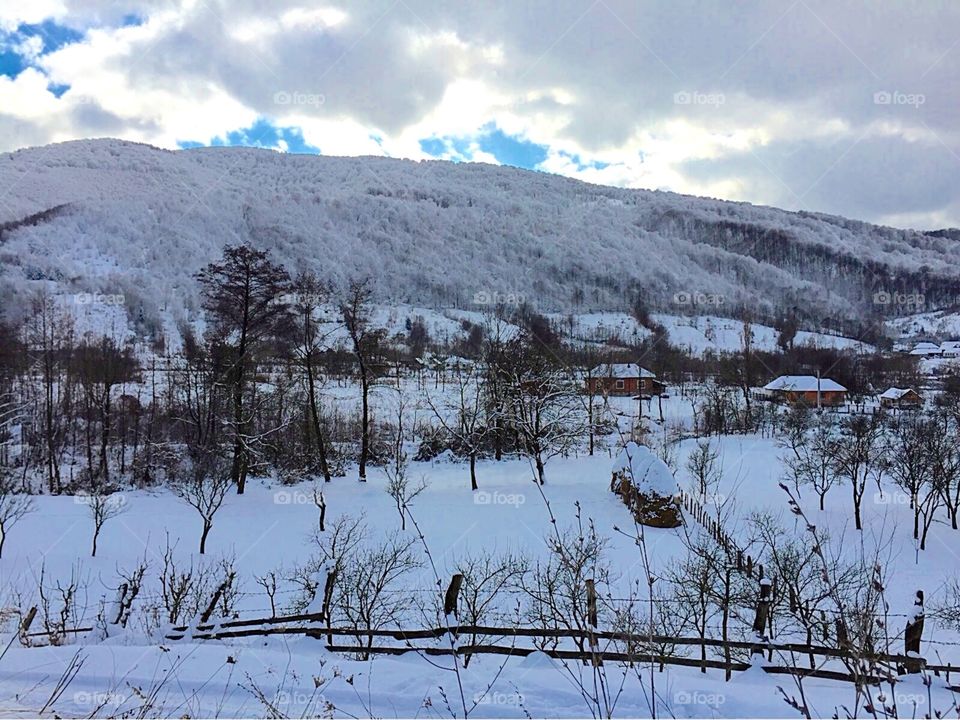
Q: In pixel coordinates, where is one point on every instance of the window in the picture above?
(619, 385)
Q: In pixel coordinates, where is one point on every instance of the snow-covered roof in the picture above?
(950, 345)
(894, 393)
(621, 370)
(926, 348)
(648, 473)
(804, 383)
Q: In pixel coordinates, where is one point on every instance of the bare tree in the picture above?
(463, 420)
(703, 464)
(102, 507)
(49, 335)
(310, 295)
(202, 483)
(355, 310)
(366, 595)
(13, 506)
(543, 408)
(812, 462)
(856, 457)
(909, 462)
(101, 366)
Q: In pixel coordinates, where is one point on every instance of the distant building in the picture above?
(950, 349)
(627, 379)
(926, 349)
(902, 398)
(804, 390)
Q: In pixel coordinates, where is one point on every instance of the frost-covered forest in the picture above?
(131, 220)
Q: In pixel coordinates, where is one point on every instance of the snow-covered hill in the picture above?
(136, 222)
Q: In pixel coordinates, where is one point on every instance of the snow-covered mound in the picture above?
(136, 222)
(648, 473)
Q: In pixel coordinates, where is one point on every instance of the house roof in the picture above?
(621, 370)
(950, 345)
(926, 348)
(803, 383)
(895, 393)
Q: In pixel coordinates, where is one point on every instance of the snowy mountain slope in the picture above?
(126, 219)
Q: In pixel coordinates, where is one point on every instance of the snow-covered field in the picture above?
(292, 676)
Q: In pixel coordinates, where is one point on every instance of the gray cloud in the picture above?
(800, 78)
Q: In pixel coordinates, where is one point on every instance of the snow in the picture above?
(894, 393)
(271, 525)
(139, 222)
(621, 370)
(648, 473)
(804, 383)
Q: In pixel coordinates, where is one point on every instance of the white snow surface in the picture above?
(648, 473)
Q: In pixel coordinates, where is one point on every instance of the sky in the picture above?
(841, 106)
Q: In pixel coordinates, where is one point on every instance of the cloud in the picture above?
(751, 101)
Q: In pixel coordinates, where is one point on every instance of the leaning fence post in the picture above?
(453, 592)
(25, 624)
(913, 633)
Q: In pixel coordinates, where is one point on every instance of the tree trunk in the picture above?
(203, 537)
(473, 471)
(317, 427)
(238, 471)
(364, 422)
(105, 435)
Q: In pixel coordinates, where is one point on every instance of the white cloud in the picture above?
(702, 102)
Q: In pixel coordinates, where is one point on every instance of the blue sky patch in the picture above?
(507, 149)
(53, 36)
(261, 134)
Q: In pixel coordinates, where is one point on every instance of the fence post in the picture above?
(327, 600)
(592, 621)
(913, 633)
(763, 612)
(216, 598)
(453, 592)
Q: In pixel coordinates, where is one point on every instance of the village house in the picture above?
(950, 349)
(807, 390)
(926, 349)
(901, 398)
(626, 379)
